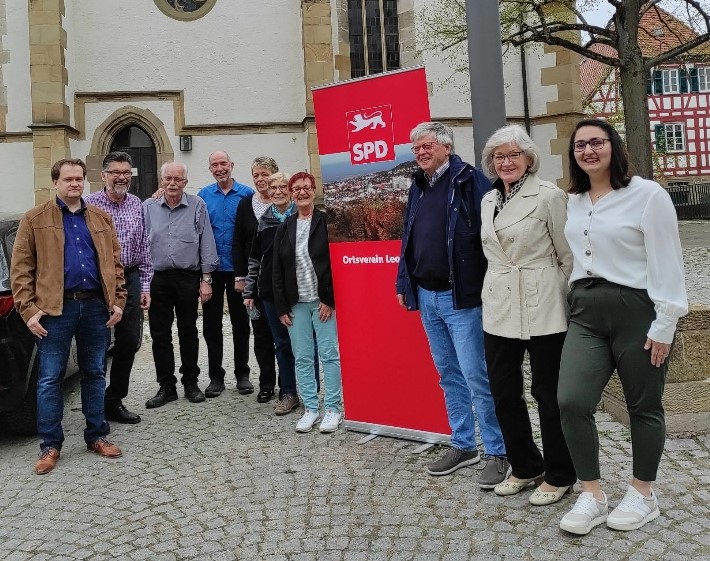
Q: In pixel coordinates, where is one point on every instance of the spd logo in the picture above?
(370, 135)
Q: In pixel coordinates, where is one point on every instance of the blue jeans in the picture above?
(86, 321)
(305, 324)
(284, 354)
(456, 343)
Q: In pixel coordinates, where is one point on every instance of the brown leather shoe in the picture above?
(105, 448)
(47, 460)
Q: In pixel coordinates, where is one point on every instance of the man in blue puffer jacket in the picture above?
(441, 270)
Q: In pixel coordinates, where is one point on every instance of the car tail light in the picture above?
(6, 305)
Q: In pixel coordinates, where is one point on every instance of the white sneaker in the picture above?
(305, 423)
(586, 513)
(331, 421)
(633, 511)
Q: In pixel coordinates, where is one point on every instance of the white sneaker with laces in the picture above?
(331, 421)
(305, 423)
(586, 513)
(633, 511)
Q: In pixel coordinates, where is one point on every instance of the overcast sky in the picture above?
(600, 16)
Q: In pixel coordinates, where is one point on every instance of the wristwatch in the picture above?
(207, 280)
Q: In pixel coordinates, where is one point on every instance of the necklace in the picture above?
(597, 196)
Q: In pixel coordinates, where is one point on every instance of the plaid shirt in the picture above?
(130, 228)
(438, 173)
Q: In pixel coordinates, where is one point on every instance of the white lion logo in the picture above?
(362, 120)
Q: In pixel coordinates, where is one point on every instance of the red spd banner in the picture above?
(371, 135)
(363, 130)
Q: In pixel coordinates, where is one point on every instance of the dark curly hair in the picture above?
(620, 167)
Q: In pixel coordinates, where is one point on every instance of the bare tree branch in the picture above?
(677, 51)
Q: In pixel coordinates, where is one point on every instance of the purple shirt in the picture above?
(130, 228)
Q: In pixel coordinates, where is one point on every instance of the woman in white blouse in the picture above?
(628, 292)
(524, 309)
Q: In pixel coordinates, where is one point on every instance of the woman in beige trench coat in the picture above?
(525, 308)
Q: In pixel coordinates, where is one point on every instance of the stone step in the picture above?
(687, 405)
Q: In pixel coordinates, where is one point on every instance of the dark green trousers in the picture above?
(608, 327)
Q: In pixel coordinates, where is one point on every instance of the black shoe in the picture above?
(165, 394)
(215, 388)
(265, 394)
(115, 411)
(244, 386)
(193, 393)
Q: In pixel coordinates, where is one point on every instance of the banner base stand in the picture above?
(397, 432)
(366, 439)
(422, 448)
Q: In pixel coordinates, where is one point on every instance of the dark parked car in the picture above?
(18, 366)
(18, 361)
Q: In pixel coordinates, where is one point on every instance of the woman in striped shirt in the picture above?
(303, 295)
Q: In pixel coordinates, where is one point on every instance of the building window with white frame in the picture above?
(703, 78)
(671, 83)
(673, 137)
(374, 36)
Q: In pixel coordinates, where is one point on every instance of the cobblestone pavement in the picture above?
(227, 480)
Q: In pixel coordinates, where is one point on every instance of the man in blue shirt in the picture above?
(222, 199)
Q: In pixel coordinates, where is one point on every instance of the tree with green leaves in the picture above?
(565, 22)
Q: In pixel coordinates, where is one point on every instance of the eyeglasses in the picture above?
(278, 188)
(511, 156)
(116, 173)
(304, 189)
(427, 146)
(177, 180)
(594, 143)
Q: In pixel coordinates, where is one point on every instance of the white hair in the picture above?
(506, 135)
(442, 133)
(166, 164)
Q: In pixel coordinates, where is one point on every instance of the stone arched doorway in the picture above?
(131, 128)
(137, 142)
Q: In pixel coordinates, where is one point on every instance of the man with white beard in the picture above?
(126, 211)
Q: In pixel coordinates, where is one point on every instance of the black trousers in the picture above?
(174, 294)
(505, 358)
(126, 333)
(212, 314)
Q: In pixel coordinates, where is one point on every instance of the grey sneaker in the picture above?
(494, 472)
(286, 404)
(452, 460)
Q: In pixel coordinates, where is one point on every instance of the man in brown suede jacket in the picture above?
(67, 282)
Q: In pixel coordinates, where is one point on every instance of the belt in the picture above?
(82, 295)
(518, 294)
(590, 282)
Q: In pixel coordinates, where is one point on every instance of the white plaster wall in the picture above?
(539, 95)
(16, 178)
(289, 151)
(242, 62)
(550, 166)
(463, 142)
(68, 23)
(513, 82)
(16, 73)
